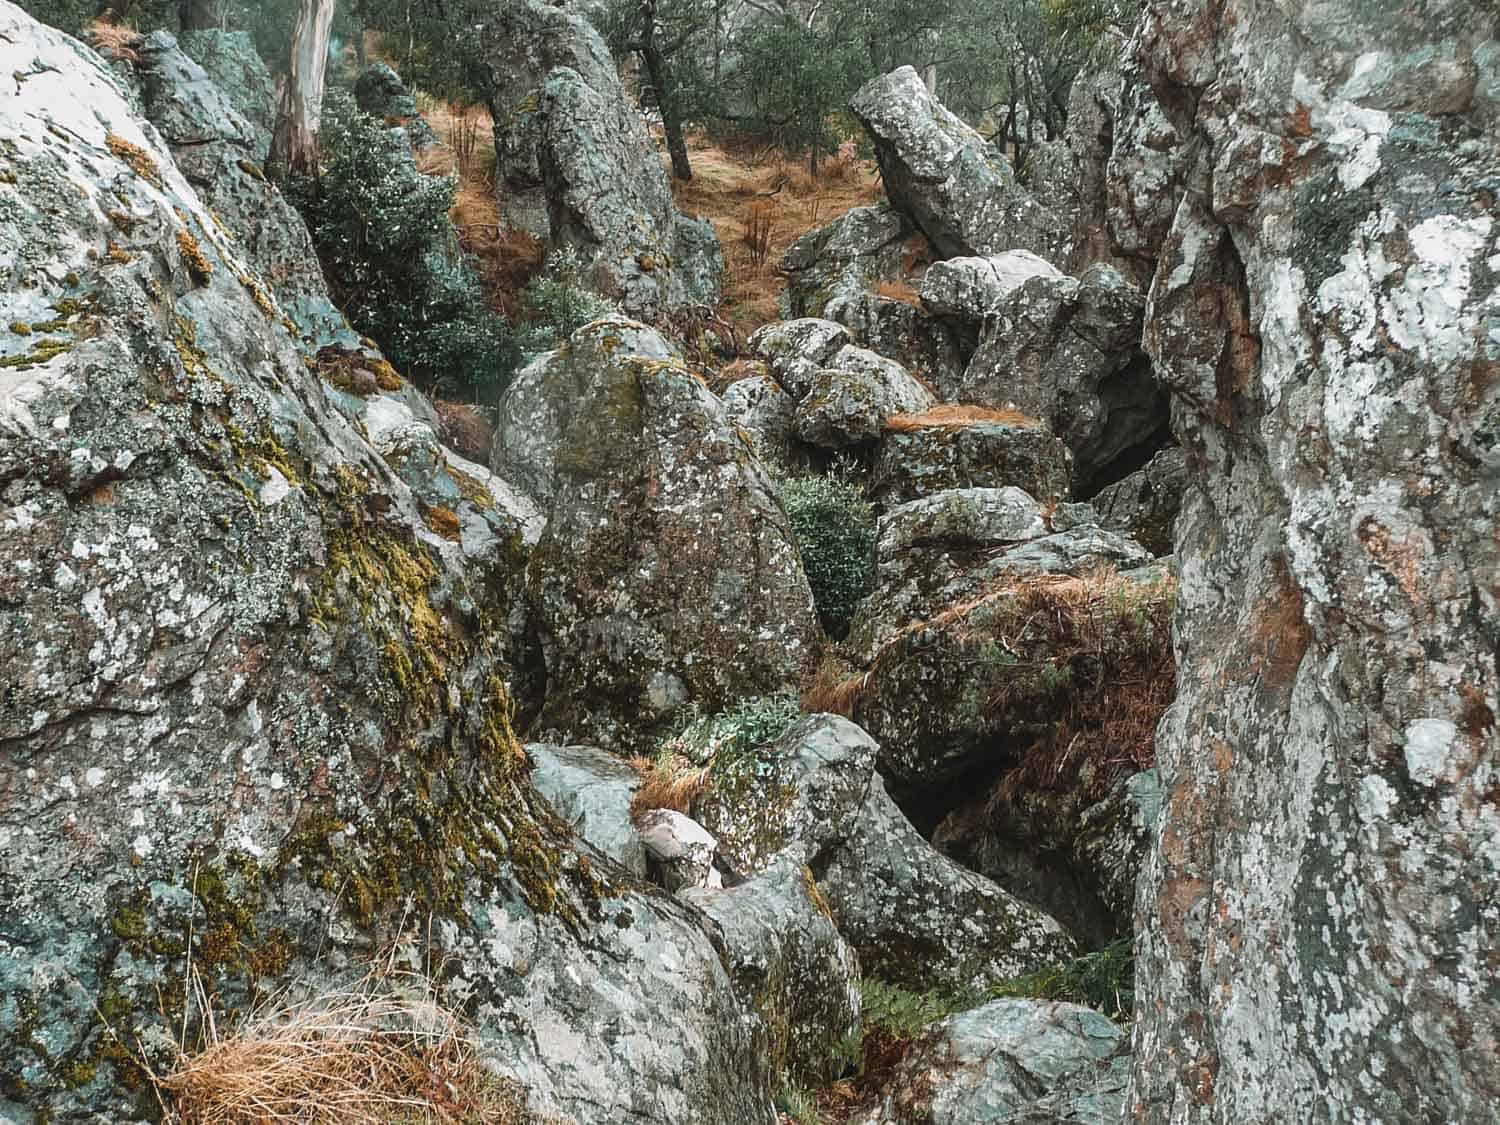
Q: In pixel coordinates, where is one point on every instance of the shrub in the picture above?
(557, 302)
(392, 260)
(834, 526)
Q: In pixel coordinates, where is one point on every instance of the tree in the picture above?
(665, 36)
(798, 77)
(294, 144)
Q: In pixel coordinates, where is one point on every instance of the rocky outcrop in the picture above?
(607, 197)
(1144, 504)
(844, 259)
(764, 410)
(591, 790)
(921, 459)
(1023, 1062)
(1066, 350)
(914, 917)
(957, 188)
(233, 65)
(797, 349)
(972, 288)
(1317, 913)
(255, 713)
(846, 402)
(380, 92)
(791, 967)
(667, 573)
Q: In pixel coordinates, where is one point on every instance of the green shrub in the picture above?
(557, 302)
(732, 735)
(834, 526)
(1103, 980)
(392, 260)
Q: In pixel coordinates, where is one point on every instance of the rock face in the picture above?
(914, 917)
(380, 92)
(843, 259)
(591, 790)
(667, 572)
(957, 188)
(847, 401)
(254, 702)
(1317, 914)
(607, 196)
(921, 461)
(233, 65)
(1023, 1062)
(1066, 350)
(1144, 504)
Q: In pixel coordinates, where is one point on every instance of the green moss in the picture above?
(251, 169)
(42, 352)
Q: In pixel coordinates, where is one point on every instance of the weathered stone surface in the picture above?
(973, 288)
(913, 916)
(915, 463)
(797, 349)
(1317, 913)
(230, 60)
(253, 702)
(843, 259)
(680, 851)
(667, 572)
(1066, 350)
(380, 92)
(1144, 505)
(950, 547)
(537, 408)
(1022, 1062)
(849, 399)
(591, 790)
(929, 347)
(1143, 184)
(956, 187)
(790, 967)
(765, 411)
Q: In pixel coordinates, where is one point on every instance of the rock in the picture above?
(667, 573)
(949, 548)
(954, 185)
(914, 917)
(973, 288)
(1065, 351)
(1027, 1062)
(848, 401)
(765, 412)
(607, 196)
(522, 43)
(791, 967)
(232, 64)
(1143, 184)
(796, 349)
(537, 407)
(927, 459)
(844, 259)
(380, 92)
(1317, 909)
(680, 850)
(996, 678)
(591, 790)
(930, 348)
(255, 710)
(1144, 505)
(217, 150)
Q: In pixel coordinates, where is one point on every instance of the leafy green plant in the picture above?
(834, 526)
(557, 302)
(1104, 980)
(733, 734)
(392, 260)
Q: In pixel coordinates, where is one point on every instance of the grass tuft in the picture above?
(955, 416)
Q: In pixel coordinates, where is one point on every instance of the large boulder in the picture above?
(1067, 350)
(1317, 914)
(764, 410)
(255, 716)
(796, 350)
(1144, 504)
(925, 454)
(1022, 1062)
(913, 916)
(957, 188)
(232, 63)
(380, 92)
(592, 790)
(608, 198)
(844, 259)
(848, 401)
(933, 348)
(791, 967)
(667, 573)
(971, 289)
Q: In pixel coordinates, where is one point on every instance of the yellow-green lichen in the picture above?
(20, 328)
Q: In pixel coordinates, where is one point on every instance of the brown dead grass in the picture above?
(833, 689)
(668, 781)
(114, 41)
(385, 1050)
(730, 179)
(953, 416)
(898, 290)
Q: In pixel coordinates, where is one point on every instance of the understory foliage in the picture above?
(834, 526)
(392, 261)
(556, 303)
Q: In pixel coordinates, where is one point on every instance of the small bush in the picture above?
(557, 302)
(392, 259)
(685, 762)
(834, 526)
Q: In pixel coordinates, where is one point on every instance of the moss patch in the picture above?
(136, 157)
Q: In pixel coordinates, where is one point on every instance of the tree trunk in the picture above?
(200, 15)
(294, 145)
(656, 72)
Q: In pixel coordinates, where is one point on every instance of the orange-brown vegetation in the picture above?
(952, 416)
(731, 180)
(833, 689)
(114, 41)
(465, 429)
(668, 781)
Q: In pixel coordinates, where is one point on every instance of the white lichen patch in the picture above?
(1428, 749)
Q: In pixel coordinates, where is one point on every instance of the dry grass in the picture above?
(760, 220)
(383, 1051)
(834, 689)
(953, 416)
(668, 781)
(729, 179)
(114, 41)
(465, 430)
(899, 290)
